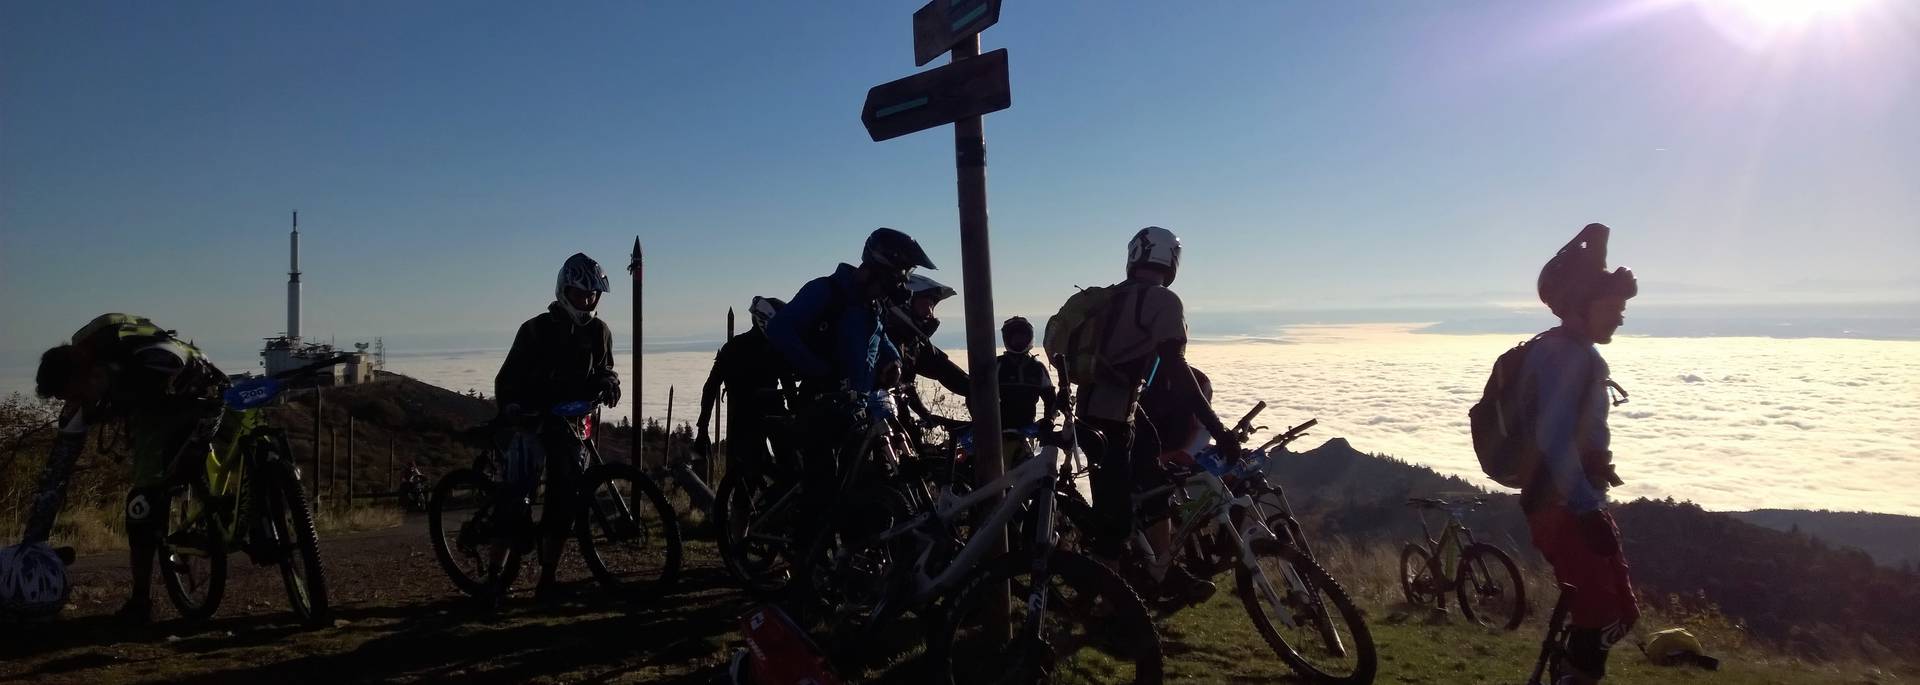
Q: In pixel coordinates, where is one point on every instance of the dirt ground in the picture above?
(397, 619)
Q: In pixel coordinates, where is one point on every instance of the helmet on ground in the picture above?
(1578, 274)
(1017, 328)
(579, 273)
(891, 249)
(1677, 646)
(1155, 246)
(763, 309)
(33, 581)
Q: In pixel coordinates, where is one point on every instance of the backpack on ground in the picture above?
(1502, 422)
(1079, 331)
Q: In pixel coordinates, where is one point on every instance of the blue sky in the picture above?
(446, 157)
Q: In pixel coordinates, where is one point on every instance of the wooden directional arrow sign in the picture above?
(942, 23)
(937, 97)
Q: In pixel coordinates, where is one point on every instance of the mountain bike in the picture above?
(1074, 620)
(1229, 517)
(629, 537)
(247, 498)
(756, 506)
(1483, 577)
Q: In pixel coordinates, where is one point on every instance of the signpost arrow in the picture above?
(942, 24)
(936, 97)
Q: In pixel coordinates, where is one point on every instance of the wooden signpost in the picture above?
(969, 86)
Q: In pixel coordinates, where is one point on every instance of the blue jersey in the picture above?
(828, 332)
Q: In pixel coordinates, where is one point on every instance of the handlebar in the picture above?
(1439, 503)
(1245, 426)
(1292, 434)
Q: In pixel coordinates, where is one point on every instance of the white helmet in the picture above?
(33, 581)
(583, 273)
(921, 286)
(1157, 246)
(763, 309)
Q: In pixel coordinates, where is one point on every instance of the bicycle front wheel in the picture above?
(466, 519)
(291, 521)
(628, 534)
(753, 514)
(193, 555)
(1491, 592)
(1306, 617)
(1094, 630)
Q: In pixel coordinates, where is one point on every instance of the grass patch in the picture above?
(336, 520)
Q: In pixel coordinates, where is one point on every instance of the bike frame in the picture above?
(1212, 510)
(1454, 539)
(1032, 481)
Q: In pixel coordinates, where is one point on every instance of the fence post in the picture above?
(390, 472)
(350, 462)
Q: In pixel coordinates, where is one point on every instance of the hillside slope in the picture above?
(1799, 592)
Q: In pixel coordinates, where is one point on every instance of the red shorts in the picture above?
(1603, 595)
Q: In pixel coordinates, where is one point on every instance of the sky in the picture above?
(1328, 158)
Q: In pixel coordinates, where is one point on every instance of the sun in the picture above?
(1755, 22)
(1785, 13)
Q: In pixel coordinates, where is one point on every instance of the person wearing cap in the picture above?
(1566, 505)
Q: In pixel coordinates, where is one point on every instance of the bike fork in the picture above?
(1556, 634)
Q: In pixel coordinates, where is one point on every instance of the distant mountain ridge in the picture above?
(1892, 540)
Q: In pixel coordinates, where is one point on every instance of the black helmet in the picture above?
(1016, 326)
(894, 250)
(1578, 273)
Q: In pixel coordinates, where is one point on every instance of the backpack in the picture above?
(1502, 422)
(1079, 331)
(107, 330)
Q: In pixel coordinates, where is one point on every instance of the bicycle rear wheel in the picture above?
(1420, 579)
(471, 539)
(193, 555)
(628, 534)
(1328, 641)
(298, 544)
(1095, 629)
(1491, 591)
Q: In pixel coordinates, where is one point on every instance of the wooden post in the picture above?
(976, 271)
(350, 462)
(390, 471)
(667, 449)
(333, 461)
(319, 426)
(637, 267)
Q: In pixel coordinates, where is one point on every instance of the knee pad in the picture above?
(146, 512)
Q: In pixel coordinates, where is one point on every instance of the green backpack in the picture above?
(1078, 332)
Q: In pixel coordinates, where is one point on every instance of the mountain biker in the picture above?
(911, 326)
(564, 354)
(753, 375)
(126, 367)
(1147, 344)
(1566, 505)
(1024, 379)
(833, 335)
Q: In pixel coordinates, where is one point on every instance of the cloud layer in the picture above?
(1731, 423)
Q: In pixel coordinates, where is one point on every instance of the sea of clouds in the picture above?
(1732, 423)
